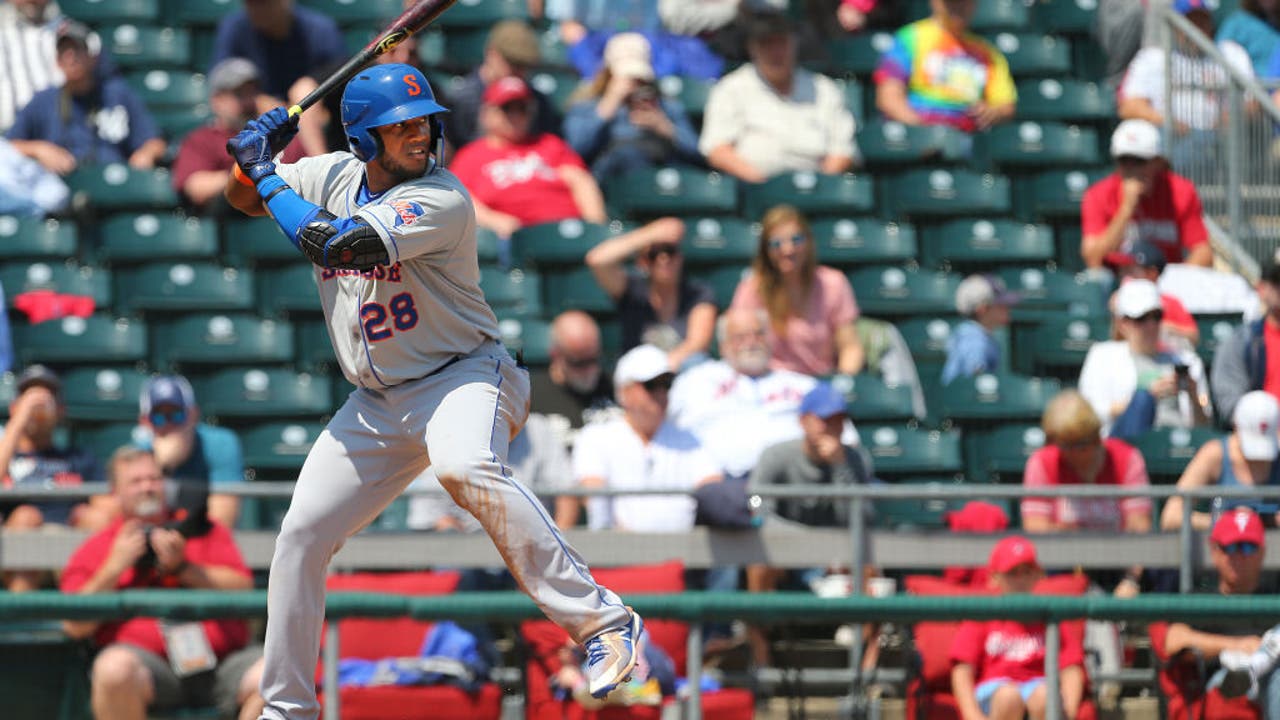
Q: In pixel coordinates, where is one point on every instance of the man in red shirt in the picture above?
(1142, 200)
(520, 178)
(144, 663)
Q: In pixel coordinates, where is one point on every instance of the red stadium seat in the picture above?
(545, 639)
(1182, 684)
(372, 639)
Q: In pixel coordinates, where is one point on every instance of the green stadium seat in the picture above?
(236, 393)
(852, 242)
(1065, 100)
(869, 399)
(514, 293)
(198, 12)
(254, 241)
(97, 338)
(483, 13)
(202, 41)
(1029, 144)
(27, 238)
(990, 397)
(554, 53)
(1054, 291)
(723, 281)
(999, 455)
(464, 49)
(349, 12)
(289, 289)
(943, 193)
(710, 242)
(165, 287)
(1214, 330)
(854, 98)
(898, 451)
(557, 85)
(1000, 15)
(1067, 242)
(341, 389)
(66, 278)
(927, 337)
(1056, 194)
(1168, 450)
(892, 145)
(488, 247)
(313, 349)
(169, 88)
(980, 244)
(1058, 345)
(176, 123)
(431, 48)
(1035, 55)
(7, 392)
(928, 513)
(814, 194)
(857, 55)
(134, 46)
(103, 440)
(206, 340)
(102, 394)
(1066, 16)
(530, 338)
(895, 292)
(118, 187)
(278, 445)
(98, 12)
(148, 237)
(690, 92)
(558, 243)
(575, 289)
(670, 190)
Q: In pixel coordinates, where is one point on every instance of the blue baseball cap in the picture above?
(1185, 6)
(824, 401)
(173, 390)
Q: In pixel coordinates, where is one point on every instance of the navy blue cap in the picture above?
(824, 401)
(167, 390)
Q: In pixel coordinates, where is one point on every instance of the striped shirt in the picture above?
(28, 62)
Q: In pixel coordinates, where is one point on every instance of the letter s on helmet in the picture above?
(383, 95)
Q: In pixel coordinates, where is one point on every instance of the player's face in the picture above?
(139, 485)
(406, 148)
(787, 245)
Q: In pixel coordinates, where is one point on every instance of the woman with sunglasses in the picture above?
(811, 307)
(658, 305)
(1136, 383)
(1246, 457)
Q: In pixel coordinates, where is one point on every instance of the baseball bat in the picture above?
(410, 22)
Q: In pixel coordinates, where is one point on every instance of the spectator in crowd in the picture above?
(28, 27)
(143, 664)
(92, 118)
(518, 176)
(511, 50)
(1254, 26)
(811, 307)
(998, 665)
(771, 116)
(1199, 104)
(1245, 457)
(818, 457)
(1237, 660)
(286, 43)
(1118, 28)
(1135, 383)
(200, 170)
(659, 305)
(887, 356)
(939, 73)
(26, 187)
(1143, 200)
(852, 15)
(1146, 261)
(975, 516)
(640, 450)
(1243, 362)
(573, 390)
(972, 348)
(188, 451)
(619, 121)
(586, 26)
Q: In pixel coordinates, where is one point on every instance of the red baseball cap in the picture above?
(977, 517)
(1238, 525)
(505, 90)
(1011, 552)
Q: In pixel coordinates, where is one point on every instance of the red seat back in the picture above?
(1182, 683)
(375, 638)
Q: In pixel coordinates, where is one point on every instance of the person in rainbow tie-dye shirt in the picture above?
(939, 73)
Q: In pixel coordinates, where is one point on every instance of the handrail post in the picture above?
(331, 690)
(1053, 686)
(1187, 541)
(693, 665)
(858, 536)
(1165, 33)
(1235, 160)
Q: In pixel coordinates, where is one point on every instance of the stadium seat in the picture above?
(529, 339)
(988, 397)
(278, 446)
(176, 123)
(169, 88)
(252, 241)
(1214, 330)
(557, 85)
(1029, 144)
(710, 242)
(103, 440)
(980, 244)
(890, 145)
(999, 454)
(1168, 450)
(1051, 291)
(28, 238)
(942, 193)
(1035, 55)
(894, 292)
(102, 394)
(994, 15)
(1183, 678)
(913, 514)
(690, 92)
(558, 243)
(723, 281)
(858, 54)
(854, 99)
(288, 289)
(814, 194)
(148, 237)
(575, 289)
(1066, 16)
(164, 287)
(206, 340)
(899, 452)
(134, 46)
(554, 53)
(263, 393)
(869, 399)
(488, 247)
(1058, 344)
(927, 337)
(670, 190)
(118, 187)
(1056, 194)
(98, 338)
(483, 13)
(68, 278)
(186, 13)
(97, 12)
(852, 242)
(514, 293)
(1065, 100)
(350, 12)
(313, 349)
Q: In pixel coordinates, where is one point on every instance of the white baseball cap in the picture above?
(627, 55)
(1256, 418)
(1137, 138)
(640, 364)
(978, 290)
(1137, 297)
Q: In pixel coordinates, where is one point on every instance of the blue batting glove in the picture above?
(252, 151)
(279, 127)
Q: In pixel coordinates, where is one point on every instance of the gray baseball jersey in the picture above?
(428, 298)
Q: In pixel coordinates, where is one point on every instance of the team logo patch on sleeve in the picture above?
(407, 211)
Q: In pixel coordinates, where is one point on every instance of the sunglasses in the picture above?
(1079, 444)
(160, 418)
(668, 249)
(662, 382)
(780, 242)
(1154, 315)
(1131, 160)
(583, 362)
(519, 107)
(1247, 549)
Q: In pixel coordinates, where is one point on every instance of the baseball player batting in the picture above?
(392, 236)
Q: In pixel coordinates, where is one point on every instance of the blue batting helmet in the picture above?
(383, 95)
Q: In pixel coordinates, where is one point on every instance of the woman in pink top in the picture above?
(811, 307)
